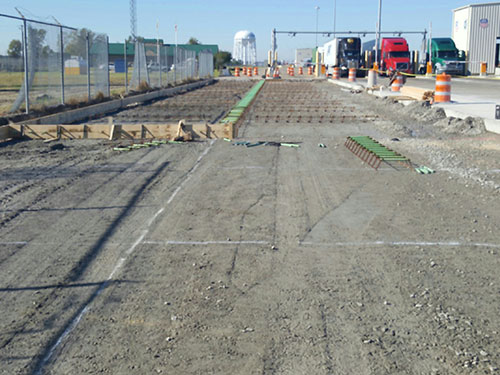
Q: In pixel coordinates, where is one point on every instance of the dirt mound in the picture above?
(467, 126)
(423, 111)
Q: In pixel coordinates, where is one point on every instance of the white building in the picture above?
(476, 30)
(245, 47)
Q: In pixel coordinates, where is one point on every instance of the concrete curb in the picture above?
(490, 124)
(80, 114)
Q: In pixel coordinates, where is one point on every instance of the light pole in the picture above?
(334, 17)
(377, 39)
(317, 16)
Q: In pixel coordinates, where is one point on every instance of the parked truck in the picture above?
(344, 53)
(395, 55)
(445, 58)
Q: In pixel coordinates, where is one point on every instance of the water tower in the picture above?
(245, 48)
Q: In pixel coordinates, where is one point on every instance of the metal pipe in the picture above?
(88, 66)
(26, 68)
(352, 32)
(62, 64)
(40, 22)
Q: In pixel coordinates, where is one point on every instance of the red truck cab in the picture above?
(395, 55)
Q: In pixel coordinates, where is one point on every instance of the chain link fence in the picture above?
(50, 65)
(157, 66)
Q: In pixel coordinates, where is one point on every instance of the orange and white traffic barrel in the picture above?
(276, 73)
(443, 88)
(249, 72)
(397, 83)
(301, 70)
(310, 70)
(255, 71)
(336, 73)
(244, 70)
(292, 71)
(352, 75)
(237, 71)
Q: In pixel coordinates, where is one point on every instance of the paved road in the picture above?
(209, 257)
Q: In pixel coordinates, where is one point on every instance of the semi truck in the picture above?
(445, 58)
(395, 55)
(344, 53)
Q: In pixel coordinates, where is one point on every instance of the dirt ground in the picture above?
(209, 257)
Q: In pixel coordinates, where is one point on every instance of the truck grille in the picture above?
(402, 66)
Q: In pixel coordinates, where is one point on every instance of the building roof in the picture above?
(476, 5)
(214, 48)
(117, 48)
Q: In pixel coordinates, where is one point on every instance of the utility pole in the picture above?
(317, 16)
(334, 17)
(379, 25)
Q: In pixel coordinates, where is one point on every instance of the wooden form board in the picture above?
(116, 131)
(416, 93)
(5, 132)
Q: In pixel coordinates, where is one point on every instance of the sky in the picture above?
(216, 21)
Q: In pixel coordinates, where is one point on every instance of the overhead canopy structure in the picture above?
(245, 47)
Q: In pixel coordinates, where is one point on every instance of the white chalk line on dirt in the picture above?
(402, 243)
(206, 243)
(119, 264)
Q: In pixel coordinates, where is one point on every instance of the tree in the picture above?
(75, 43)
(193, 40)
(15, 48)
(222, 58)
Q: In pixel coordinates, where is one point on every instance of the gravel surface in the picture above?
(208, 257)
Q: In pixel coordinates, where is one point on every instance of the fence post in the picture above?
(107, 66)
(126, 65)
(62, 63)
(88, 67)
(26, 68)
(137, 53)
(158, 52)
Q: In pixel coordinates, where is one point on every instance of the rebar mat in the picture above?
(374, 153)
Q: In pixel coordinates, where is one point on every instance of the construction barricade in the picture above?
(301, 71)
(336, 73)
(255, 71)
(237, 71)
(310, 70)
(443, 88)
(352, 75)
(397, 83)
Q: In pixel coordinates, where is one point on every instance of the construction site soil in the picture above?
(209, 257)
